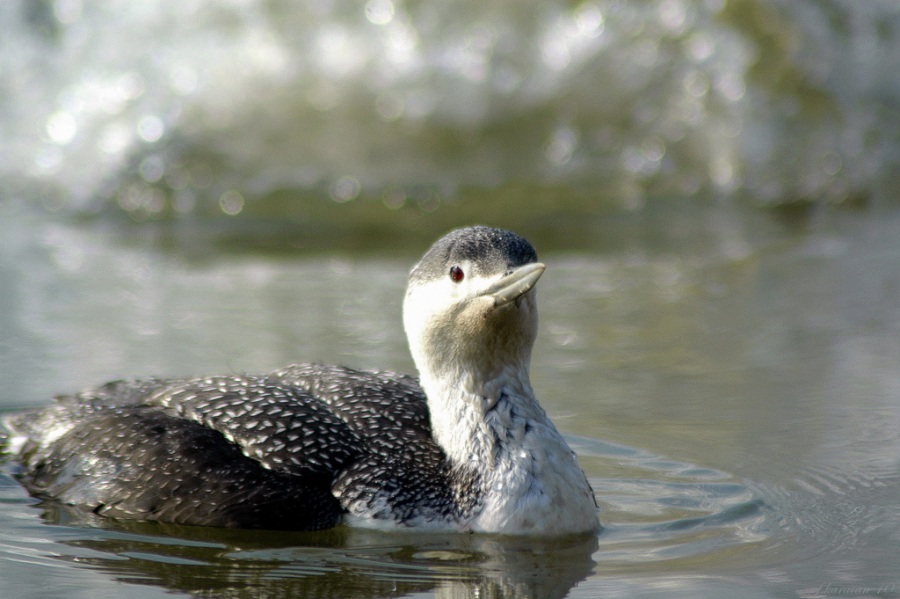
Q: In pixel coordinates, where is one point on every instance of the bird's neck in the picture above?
(478, 419)
(495, 432)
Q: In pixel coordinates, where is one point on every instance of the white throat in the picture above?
(529, 477)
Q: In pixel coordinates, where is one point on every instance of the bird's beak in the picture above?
(512, 286)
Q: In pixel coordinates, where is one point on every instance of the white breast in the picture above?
(537, 487)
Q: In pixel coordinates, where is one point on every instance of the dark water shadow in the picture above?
(342, 562)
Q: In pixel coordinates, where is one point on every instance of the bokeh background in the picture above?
(270, 110)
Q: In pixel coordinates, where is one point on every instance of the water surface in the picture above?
(732, 399)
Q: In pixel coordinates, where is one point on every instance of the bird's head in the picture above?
(470, 305)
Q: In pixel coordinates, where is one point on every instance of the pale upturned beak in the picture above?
(515, 284)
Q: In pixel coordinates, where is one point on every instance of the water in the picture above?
(734, 405)
(234, 186)
(162, 111)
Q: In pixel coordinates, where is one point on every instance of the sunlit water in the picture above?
(733, 399)
(161, 110)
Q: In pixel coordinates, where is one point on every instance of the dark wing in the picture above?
(403, 474)
(291, 449)
(378, 406)
(225, 451)
(140, 463)
(283, 427)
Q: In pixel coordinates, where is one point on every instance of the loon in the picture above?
(465, 447)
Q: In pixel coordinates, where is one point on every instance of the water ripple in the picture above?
(660, 510)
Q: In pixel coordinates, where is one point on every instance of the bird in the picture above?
(464, 447)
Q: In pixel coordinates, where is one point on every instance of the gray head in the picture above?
(487, 250)
(470, 306)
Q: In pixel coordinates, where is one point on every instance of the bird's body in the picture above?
(466, 447)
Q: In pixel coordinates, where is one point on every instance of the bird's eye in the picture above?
(456, 274)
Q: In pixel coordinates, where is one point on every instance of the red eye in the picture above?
(456, 274)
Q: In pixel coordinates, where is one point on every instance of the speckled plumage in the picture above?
(294, 449)
(310, 446)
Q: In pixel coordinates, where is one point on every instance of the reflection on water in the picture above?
(659, 516)
(339, 563)
(728, 381)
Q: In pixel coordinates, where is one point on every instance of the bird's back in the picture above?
(296, 449)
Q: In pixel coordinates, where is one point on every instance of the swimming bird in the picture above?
(464, 447)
